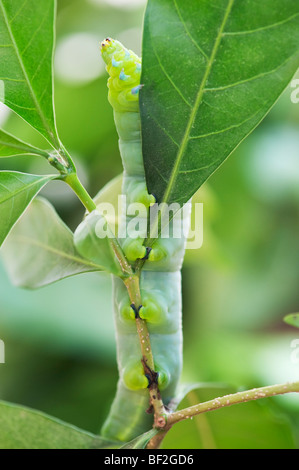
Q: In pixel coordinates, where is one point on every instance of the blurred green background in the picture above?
(59, 341)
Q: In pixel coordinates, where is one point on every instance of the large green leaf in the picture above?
(26, 50)
(252, 425)
(10, 146)
(16, 192)
(211, 71)
(23, 428)
(40, 248)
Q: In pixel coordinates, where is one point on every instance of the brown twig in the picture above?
(221, 402)
(156, 403)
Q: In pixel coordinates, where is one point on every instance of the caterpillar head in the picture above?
(108, 47)
(124, 68)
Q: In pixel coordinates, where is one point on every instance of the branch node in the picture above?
(136, 310)
(160, 422)
(151, 375)
(148, 250)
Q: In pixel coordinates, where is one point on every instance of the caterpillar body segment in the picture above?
(160, 280)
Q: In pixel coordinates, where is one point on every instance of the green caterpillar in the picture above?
(160, 278)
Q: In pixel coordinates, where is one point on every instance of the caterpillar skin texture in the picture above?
(160, 279)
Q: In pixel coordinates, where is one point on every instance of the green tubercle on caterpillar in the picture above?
(150, 311)
(140, 195)
(157, 253)
(134, 377)
(127, 313)
(163, 378)
(153, 309)
(134, 249)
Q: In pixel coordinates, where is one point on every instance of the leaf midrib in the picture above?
(26, 187)
(197, 103)
(32, 93)
(26, 147)
(58, 252)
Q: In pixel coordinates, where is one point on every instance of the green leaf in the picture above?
(292, 319)
(141, 441)
(16, 192)
(109, 195)
(40, 248)
(251, 425)
(10, 146)
(91, 243)
(26, 52)
(211, 72)
(23, 428)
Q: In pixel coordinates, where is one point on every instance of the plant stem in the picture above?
(133, 286)
(60, 159)
(63, 162)
(232, 399)
(156, 441)
(121, 257)
(73, 181)
(221, 402)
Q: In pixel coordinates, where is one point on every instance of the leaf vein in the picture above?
(34, 34)
(58, 252)
(193, 170)
(188, 32)
(233, 126)
(24, 188)
(262, 28)
(8, 79)
(164, 130)
(170, 79)
(160, 174)
(197, 103)
(40, 64)
(18, 11)
(19, 106)
(247, 80)
(25, 74)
